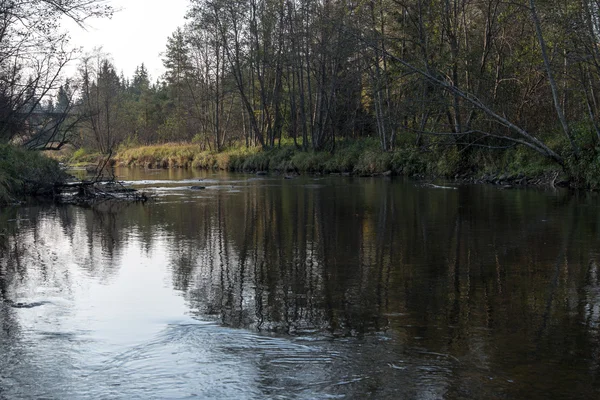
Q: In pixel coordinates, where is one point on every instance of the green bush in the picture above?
(304, 161)
(371, 162)
(281, 158)
(256, 162)
(524, 161)
(408, 162)
(448, 162)
(345, 157)
(24, 172)
(585, 170)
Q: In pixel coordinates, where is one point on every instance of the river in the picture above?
(305, 288)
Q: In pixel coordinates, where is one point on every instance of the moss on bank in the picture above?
(24, 173)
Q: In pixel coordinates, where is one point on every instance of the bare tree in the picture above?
(101, 93)
(33, 54)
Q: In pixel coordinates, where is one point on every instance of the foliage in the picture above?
(409, 162)
(361, 158)
(347, 155)
(449, 162)
(450, 89)
(83, 156)
(25, 172)
(586, 169)
(33, 54)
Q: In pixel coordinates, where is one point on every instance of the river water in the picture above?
(309, 288)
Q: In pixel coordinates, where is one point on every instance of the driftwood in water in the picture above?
(87, 192)
(431, 185)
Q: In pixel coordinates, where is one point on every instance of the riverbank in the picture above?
(26, 173)
(514, 167)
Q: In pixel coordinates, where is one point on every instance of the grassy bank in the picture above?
(25, 173)
(365, 158)
(361, 158)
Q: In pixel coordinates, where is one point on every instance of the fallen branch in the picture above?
(88, 192)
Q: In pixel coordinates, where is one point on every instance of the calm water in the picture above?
(310, 288)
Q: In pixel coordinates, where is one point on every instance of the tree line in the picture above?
(456, 75)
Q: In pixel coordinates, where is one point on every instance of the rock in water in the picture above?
(19, 304)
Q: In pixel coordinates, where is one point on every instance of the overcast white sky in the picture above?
(136, 34)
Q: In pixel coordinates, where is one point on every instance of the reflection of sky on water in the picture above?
(360, 289)
(121, 331)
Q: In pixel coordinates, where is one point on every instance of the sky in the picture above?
(136, 34)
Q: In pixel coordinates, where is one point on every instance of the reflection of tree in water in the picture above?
(292, 260)
(488, 277)
(20, 235)
(40, 244)
(10, 266)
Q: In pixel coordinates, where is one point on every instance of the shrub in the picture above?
(448, 162)
(256, 162)
(409, 162)
(309, 161)
(85, 156)
(371, 162)
(281, 158)
(345, 158)
(24, 172)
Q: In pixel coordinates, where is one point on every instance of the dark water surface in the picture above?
(311, 288)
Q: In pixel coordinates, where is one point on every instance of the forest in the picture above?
(433, 87)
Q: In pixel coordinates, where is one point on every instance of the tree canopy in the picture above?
(458, 75)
